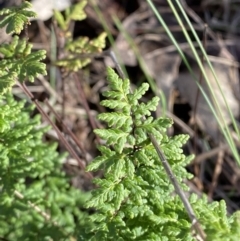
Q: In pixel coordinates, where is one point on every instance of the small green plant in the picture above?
(19, 63)
(15, 18)
(74, 12)
(36, 201)
(77, 51)
(135, 199)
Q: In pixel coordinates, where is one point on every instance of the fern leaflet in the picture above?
(15, 18)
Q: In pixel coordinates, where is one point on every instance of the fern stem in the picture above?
(179, 191)
(46, 216)
(60, 135)
(73, 136)
(117, 65)
(36, 208)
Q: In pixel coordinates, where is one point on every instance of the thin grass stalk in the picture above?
(59, 133)
(53, 54)
(207, 60)
(226, 135)
(225, 126)
(109, 35)
(67, 129)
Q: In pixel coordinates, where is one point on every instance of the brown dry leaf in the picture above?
(204, 116)
(160, 65)
(121, 47)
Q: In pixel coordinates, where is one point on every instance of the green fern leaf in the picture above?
(97, 44)
(80, 46)
(130, 168)
(5, 52)
(140, 135)
(19, 63)
(104, 194)
(99, 218)
(105, 151)
(138, 93)
(115, 83)
(161, 124)
(111, 135)
(180, 140)
(72, 63)
(16, 17)
(131, 140)
(96, 164)
(153, 103)
(120, 195)
(150, 176)
(145, 109)
(32, 67)
(126, 86)
(114, 95)
(114, 104)
(118, 169)
(7, 81)
(14, 23)
(136, 195)
(115, 119)
(110, 162)
(17, 48)
(142, 158)
(76, 11)
(136, 190)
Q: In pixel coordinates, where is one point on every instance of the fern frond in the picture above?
(138, 93)
(7, 80)
(15, 18)
(114, 104)
(114, 95)
(96, 164)
(115, 83)
(103, 194)
(16, 48)
(97, 44)
(134, 200)
(75, 48)
(58, 16)
(32, 66)
(71, 63)
(19, 63)
(33, 168)
(74, 12)
(145, 109)
(114, 137)
(215, 216)
(115, 119)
